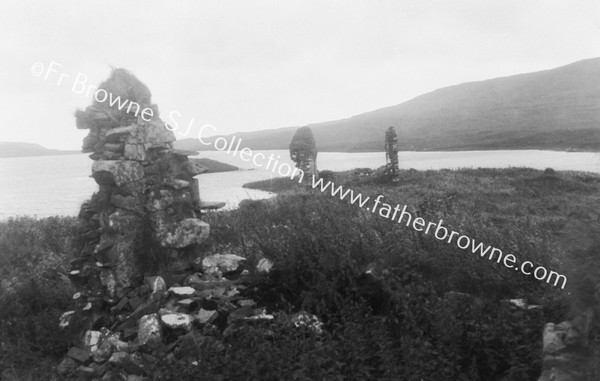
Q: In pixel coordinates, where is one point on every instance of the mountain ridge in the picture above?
(557, 109)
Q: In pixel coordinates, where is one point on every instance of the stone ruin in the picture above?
(145, 281)
(303, 151)
(568, 351)
(145, 215)
(391, 155)
(571, 348)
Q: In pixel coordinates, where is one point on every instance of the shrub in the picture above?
(34, 290)
(327, 175)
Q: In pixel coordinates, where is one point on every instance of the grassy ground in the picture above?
(429, 311)
(550, 218)
(535, 215)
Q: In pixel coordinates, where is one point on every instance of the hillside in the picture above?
(17, 149)
(552, 109)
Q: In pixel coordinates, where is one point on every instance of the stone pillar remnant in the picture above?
(391, 155)
(303, 151)
(145, 217)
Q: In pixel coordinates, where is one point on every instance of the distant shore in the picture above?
(42, 151)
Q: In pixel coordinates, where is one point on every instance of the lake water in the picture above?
(51, 185)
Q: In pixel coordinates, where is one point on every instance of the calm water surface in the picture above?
(50, 185)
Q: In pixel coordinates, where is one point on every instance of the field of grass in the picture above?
(535, 215)
(427, 310)
(547, 217)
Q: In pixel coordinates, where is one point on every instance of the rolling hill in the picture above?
(551, 109)
(18, 149)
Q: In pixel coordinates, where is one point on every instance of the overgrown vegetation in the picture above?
(34, 292)
(539, 216)
(426, 310)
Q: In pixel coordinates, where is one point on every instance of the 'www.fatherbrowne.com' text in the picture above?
(399, 214)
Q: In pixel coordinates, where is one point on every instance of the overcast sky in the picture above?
(249, 65)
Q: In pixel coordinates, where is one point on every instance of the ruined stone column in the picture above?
(391, 155)
(303, 151)
(144, 219)
(147, 287)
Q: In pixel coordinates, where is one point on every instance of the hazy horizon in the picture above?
(267, 65)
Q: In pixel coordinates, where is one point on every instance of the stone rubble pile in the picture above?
(159, 321)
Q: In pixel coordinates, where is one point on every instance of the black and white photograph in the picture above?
(224, 190)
